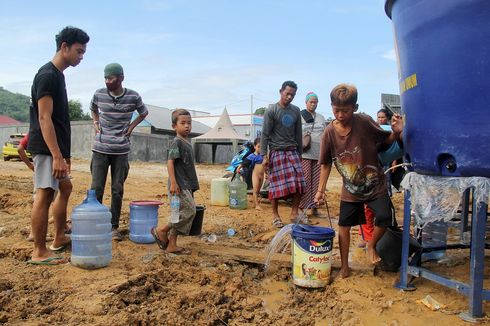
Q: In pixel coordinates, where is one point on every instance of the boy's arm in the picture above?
(174, 186)
(324, 174)
(397, 128)
(24, 158)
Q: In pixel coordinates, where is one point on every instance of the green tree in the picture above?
(76, 112)
(260, 111)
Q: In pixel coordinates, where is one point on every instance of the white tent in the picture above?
(221, 134)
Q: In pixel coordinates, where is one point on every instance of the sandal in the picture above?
(277, 222)
(161, 243)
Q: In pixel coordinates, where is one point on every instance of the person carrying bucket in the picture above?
(351, 143)
(182, 181)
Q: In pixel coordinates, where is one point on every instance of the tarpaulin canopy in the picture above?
(222, 133)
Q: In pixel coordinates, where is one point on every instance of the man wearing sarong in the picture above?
(281, 146)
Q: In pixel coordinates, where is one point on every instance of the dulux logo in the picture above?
(320, 247)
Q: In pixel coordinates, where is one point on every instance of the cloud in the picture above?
(210, 88)
(389, 55)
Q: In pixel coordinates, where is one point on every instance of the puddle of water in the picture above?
(276, 293)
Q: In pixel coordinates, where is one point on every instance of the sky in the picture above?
(208, 54)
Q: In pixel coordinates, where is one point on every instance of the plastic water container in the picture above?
(219, 191)
(444, 64)
(312, 255)
(91, 238)
(237, 193)
(174, 209)
(143, 216)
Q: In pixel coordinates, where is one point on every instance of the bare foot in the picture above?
(373, 255)
(344, 272)
(178, 251)
(257, 207)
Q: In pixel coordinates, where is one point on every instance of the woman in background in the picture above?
(313, 124)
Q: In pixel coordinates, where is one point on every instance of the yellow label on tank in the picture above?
(408, 83)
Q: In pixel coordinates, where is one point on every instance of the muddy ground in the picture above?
(221, 283)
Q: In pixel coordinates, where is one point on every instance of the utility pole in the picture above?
(251, 116)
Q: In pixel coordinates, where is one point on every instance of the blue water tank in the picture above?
(143, 216)
(91, 238)
(444, 74)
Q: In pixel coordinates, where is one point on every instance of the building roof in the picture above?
(222, 131)
(236, 119)
(6, 120)
(161, 118)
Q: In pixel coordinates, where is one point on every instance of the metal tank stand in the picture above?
(474, 289)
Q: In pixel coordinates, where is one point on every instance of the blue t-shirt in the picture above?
(255, 159)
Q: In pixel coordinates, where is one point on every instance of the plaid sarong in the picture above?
(311, 172)
(285, 174)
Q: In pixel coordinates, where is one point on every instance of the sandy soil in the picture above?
(221, 283)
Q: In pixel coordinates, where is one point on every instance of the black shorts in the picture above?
(353, 213)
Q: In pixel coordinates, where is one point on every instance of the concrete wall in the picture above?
(144, 147)
(224, 153)
(149, 148)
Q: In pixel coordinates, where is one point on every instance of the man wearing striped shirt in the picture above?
(112, 109)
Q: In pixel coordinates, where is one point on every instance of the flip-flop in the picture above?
(277, 223)
(51, 261)
(181, 251)
(161, 243)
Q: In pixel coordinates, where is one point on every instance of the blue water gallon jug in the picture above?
(444, 67)
(237, 193)
(91, 238)
(143, 216)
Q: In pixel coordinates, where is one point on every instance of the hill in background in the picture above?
(14, 105)
(17, 106)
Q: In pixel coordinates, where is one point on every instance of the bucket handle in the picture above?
(312, 205)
